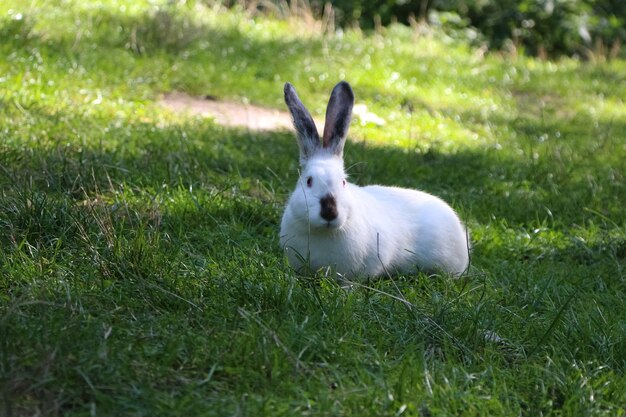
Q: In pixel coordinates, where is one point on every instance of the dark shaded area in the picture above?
(522, 191)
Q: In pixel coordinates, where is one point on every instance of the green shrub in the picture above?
(537, 27)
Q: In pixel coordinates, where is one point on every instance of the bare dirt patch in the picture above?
(229, 113)
(236, 114)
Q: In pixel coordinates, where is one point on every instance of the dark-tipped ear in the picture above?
(308, 138)
(338, 117)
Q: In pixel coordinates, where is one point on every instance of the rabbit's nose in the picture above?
(328, 208)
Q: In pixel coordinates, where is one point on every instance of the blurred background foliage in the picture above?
(590, 29)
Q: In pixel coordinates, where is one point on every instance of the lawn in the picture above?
(140, 270)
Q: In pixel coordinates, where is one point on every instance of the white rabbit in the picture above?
(360, 232)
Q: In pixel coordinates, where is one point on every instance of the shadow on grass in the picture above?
(522, 188)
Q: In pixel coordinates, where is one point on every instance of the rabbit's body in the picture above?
(387, 230)
(361, 231)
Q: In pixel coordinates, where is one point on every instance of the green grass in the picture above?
(140, 271)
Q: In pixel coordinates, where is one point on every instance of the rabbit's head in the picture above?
(323, 193)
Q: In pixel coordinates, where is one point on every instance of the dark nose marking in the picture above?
(328, 208)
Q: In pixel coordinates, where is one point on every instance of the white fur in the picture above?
(378, 230)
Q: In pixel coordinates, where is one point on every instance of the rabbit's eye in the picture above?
(343, 182)
(309, 181)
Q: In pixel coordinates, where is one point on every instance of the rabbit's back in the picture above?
(421, 230)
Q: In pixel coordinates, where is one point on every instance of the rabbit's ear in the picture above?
(308, 138)
(338, 116)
